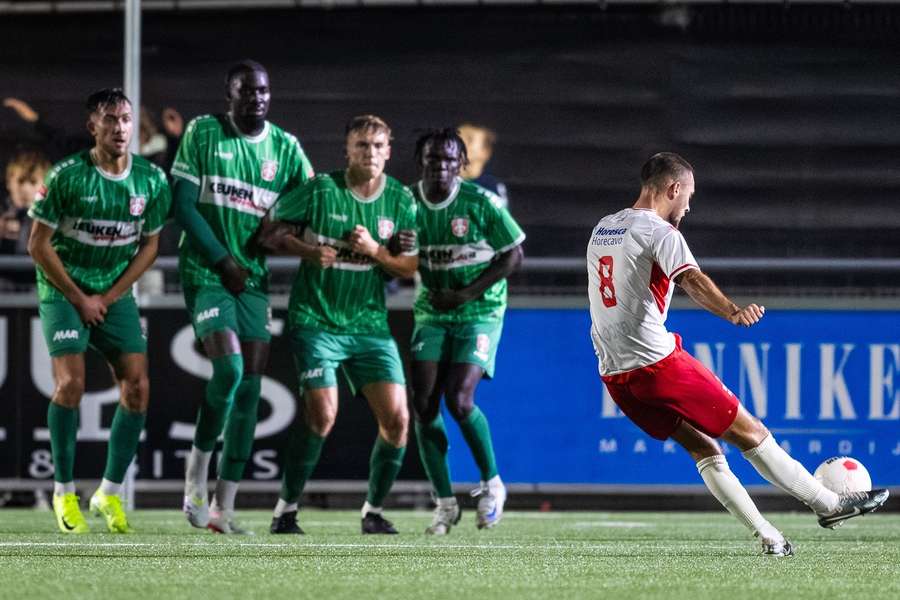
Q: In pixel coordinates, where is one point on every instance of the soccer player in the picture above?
(633, 257)
(229, 170)
(96, 230)
(337, 313)
(468, 245)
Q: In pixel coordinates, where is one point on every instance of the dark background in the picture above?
(789, 113)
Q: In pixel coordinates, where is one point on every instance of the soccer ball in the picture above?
(842, 474)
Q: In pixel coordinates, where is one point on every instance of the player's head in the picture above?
(247, 92)
(441, 155)
(669, 177)
(368, 146)
(110, 121)
(24, 176)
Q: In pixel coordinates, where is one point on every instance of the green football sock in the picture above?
(239, 429)
(124, 436)
(63, 425)
(220, 390)
(384, 465)
(303, 453)
(433, 452)
(477, 432)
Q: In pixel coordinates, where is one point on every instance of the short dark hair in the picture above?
(440, 137)
(367, 123)
(105, 97)
(243, 66)
(662, 167)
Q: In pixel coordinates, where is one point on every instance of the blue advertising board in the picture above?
(825, 382)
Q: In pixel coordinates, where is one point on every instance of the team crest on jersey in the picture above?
(268, 170)
(385, 227)
(41, 193)
(136, 205)
(459, 226)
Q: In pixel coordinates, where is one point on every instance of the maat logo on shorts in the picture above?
(482, 346)
(209, 313)
(65, 334)
(418, 347)
(310, 373)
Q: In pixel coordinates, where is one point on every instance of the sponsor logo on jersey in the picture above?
(209, 313)
(89, 199)
(482, 346)
(268, 170)
(459, 226)
(238, 195)
(136, 205)
(106, 230)
(453, 256)
(65, 334)
(224, 155)
(310, 373)
(385, 227)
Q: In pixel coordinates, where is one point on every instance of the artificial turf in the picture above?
(555, 555)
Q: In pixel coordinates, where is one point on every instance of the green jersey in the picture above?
(240, 178)
(458, 238)
(348, 297)
(98, 218)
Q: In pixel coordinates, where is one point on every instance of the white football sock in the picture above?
(284, 507)
(731, 494)
(494, 483)
(446, 502)
(196, 473)
(110, 488)
(368, 508)
(226, 491)
(782, 471)
(60, 489)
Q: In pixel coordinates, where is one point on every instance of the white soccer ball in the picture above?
(842, 474)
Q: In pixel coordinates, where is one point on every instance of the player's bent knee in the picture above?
(136, 393)
(69, 390)
(320, 422)
(460, 408)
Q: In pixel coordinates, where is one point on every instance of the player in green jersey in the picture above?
(344, 221)
(96, 230)
(468, 246)
(229, 170)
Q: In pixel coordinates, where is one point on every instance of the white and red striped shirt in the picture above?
(632, 258)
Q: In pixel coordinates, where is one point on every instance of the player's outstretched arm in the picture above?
(90, 308)
(401, 265)
(502, 267)
(707, 294)
(141, 261)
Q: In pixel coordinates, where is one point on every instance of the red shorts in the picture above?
(659, 396)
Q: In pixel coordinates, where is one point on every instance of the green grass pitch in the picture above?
(555, 555)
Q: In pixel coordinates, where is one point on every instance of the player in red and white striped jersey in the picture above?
(633, 258)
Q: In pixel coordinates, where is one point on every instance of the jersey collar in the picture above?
(443, 203)
(253, 139)
(374, 195)
(113, 176)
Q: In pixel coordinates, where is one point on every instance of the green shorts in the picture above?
(119, 333)
(213, 308)
(474, 343)
(364, 359)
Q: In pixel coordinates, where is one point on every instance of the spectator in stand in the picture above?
(480, 147)
(54, 141)
(24, 177)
